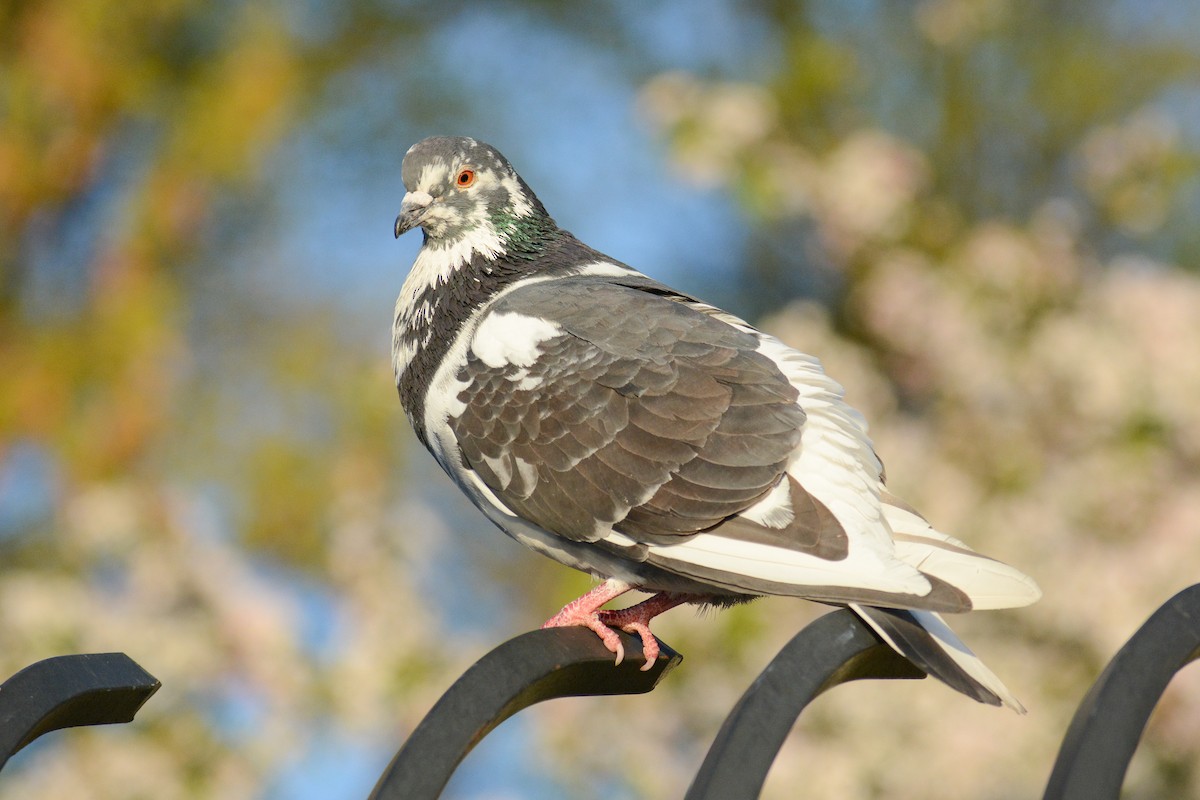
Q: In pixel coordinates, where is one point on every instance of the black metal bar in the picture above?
(1109, 722)
(836, 648)
(69, 691)
(536, 666)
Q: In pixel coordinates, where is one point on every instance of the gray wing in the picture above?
(639, 414)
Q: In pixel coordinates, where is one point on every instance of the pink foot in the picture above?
(585, 611)
(636, 619)
(649, 641)
(592, 622)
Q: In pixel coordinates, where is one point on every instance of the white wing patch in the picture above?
(835, 461)
(505, 338)
(773, 511)
(502, 469)
(441, 401)
(861, 569)
(619, 539)
(607, 269)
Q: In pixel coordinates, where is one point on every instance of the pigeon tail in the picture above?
(987, 583)
(924, 639)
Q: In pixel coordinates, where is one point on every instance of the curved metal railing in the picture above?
(564, 662)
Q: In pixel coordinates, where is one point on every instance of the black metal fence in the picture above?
(542, 665)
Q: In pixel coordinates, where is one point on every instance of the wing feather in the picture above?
(660, 432)
(665, 441)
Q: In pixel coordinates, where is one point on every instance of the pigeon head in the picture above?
(464, 194)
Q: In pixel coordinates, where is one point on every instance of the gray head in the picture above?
(463, 192)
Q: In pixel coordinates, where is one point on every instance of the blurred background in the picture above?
(981, 215)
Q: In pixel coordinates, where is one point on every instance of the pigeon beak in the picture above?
(412, 211)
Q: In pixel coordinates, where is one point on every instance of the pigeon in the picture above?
(655, 441)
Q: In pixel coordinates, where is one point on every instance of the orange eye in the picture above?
(464, 178)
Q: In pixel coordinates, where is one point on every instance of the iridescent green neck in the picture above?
(526, 237)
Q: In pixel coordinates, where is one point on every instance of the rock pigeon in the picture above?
(650, 439)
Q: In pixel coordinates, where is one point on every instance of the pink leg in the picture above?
(585, 611)
(636, 619)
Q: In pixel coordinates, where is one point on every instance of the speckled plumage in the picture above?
(631, 431)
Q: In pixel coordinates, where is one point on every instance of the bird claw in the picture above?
(619, 650)
(642, 631)
(636, 619)
(609, 637)
(649, 646)
(591, 621)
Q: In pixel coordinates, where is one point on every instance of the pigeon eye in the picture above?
(464, 178)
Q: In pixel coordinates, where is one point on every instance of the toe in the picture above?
(649, 646)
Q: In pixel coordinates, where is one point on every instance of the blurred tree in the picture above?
(1006, 107)
(127, 136)
(998, 201)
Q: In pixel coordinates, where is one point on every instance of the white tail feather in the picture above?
(989, 583)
